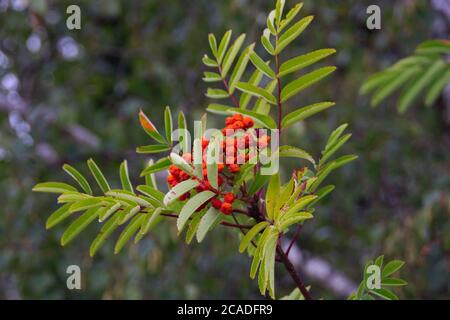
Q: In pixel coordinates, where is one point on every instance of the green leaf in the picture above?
(151, 192)
(124, 177)
(128, 196)
(211, 77)
(304, 113)
(300, 204)
(53, 187)
(168, 124)
(384, 293)
(85, 204)
(290, 16)
(419, 84)
(128, 213)
(105, 232)
(255, 79)
(265, 40)
(258, 183)
(304, 61)
(223, 46)
(211, 166)
(207, 61)
(78, 177)
(128, 232)
(79, 225)
(208, 221)
(193, 227)
(279, 11)
(240, 67)
(256, 91)
(98, 175)
(231, 54)
(393, 282)
(270, 22)
(213, 44)
(246, 240)
(304, 82)
(292, 33)
(150, 220)
(156, 148)
(294, 152)
(379, 261)
(269, 261)
(333, 148)
(179, 190)
(391, 267)
(263, 120)
(106, 214)
(437, 87)
(219, 109)
(181, 163)
(272, 194)
(217, 93)
(393, 85)
(160, 165)
(294, 218)
(72, 196)
(150, 128)
(193, 204)
(58, 216)
(261, 65)
(377, 80)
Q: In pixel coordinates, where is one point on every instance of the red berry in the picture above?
(226, 208)
(234, 168)
(205, 143)
(216, 203)
(228, 197)
(184, 176)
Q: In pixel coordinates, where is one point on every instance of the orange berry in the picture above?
(228, 197)
(174, 170)
(238, 117)
(220, 167)
(234, 168)
(237, 125)
(229, 121)
(226, 208)
(248, 122)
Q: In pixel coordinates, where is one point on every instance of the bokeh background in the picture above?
(66, 96)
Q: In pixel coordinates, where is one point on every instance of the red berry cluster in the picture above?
(227, 171)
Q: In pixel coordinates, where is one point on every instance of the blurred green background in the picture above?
(67, 95)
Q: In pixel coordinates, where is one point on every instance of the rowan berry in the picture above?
(226, 208)
(248, 122)
(228, 197)
(216, 203)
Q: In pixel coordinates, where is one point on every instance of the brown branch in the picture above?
(293, 273)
